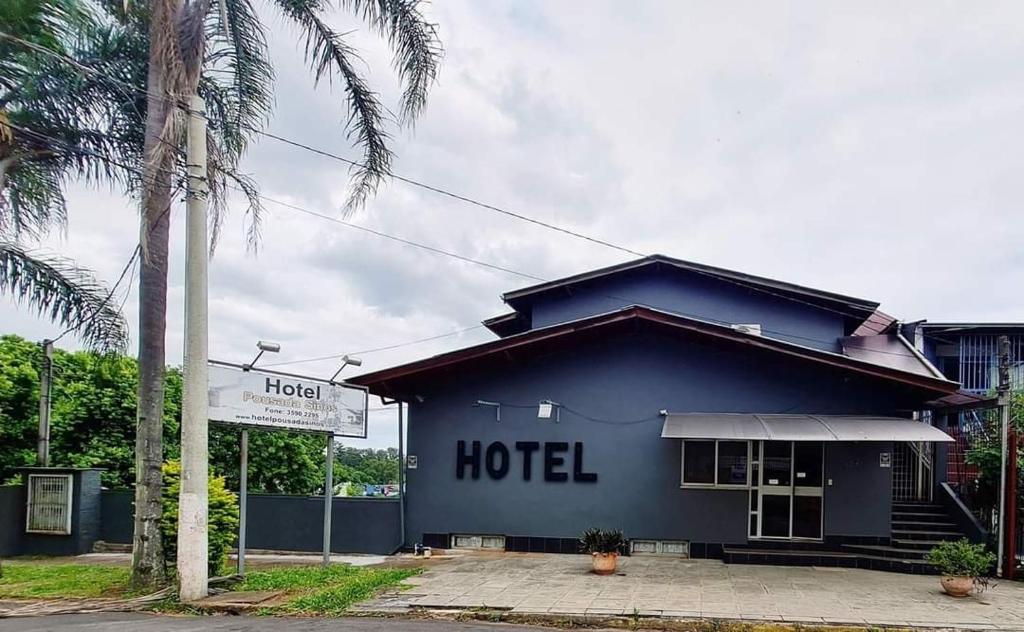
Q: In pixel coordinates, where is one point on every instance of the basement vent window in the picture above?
(754, 329)
(493, 542)
(670, 548)
(49, 504)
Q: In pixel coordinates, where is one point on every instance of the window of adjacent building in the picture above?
(714, 463)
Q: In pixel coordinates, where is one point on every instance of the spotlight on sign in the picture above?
(545, 407)
(346, 360)
(264, 347)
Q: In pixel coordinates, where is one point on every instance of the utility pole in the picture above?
(1003, 393)
(193, 503)
(45, 386)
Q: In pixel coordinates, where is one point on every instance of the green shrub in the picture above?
(222, 519)
(603, 541)
(961, 559)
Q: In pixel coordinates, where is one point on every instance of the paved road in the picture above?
(153, 623)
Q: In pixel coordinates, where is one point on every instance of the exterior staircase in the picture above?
(916, 528)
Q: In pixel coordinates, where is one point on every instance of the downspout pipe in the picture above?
(401, 471)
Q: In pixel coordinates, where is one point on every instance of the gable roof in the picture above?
(393, 381)
(856, 309)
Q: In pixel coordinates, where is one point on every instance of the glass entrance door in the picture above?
(786, 502)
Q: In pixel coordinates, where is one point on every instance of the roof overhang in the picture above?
(401, 380)
(961, 400)
(747, 427)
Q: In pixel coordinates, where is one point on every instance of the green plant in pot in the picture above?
(604, 547)
(964, 566)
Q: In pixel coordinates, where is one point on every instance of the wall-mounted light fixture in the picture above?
(264, 347)
(496, 405)
(545, 407)
(346, 360)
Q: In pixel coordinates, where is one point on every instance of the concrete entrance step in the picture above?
(842, 559)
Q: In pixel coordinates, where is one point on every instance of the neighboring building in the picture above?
(703, 411)
(968, 353)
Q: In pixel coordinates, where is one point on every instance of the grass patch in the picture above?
(38, 580)
(323, 591)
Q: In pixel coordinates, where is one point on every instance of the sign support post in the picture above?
(328, 499)
(243, 496)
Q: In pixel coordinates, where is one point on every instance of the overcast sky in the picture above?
(871, 149)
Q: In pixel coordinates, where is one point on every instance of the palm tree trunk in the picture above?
(148, 569)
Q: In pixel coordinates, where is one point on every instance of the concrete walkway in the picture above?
(529, 583)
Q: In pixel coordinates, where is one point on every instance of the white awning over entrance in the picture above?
(746, 427)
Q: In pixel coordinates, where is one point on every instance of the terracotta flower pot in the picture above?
(605, 563)
(957, 586)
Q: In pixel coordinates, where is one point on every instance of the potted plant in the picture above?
(604, 547)
(964, 566)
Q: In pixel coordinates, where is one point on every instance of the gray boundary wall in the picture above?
(12, 506)
(284, 522)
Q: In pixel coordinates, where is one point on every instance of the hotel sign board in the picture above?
(272, 400)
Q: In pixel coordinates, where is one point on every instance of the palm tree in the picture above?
(221, 53)
(146, 60)
(43, 107)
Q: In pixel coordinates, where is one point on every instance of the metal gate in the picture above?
(912, 472)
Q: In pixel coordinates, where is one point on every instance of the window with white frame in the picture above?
(715, 463)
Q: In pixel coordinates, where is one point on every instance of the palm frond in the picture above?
(31, 197)
(64, 293)
(414, 41)
(331, 56)
(239, 73)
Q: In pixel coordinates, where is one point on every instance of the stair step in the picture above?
(924, 525)
(923, 545)
(901, 516)
(889, 552)
(925, 534)
(917, 507)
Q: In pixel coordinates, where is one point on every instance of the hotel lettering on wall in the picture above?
(548, 460)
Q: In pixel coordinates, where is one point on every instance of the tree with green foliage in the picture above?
(985, 453)
(366, 465)
(19, 403)
(93, 423)
(222, 517)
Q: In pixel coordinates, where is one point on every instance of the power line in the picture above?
(463, 258)
(377, 349)
(456, 196)
(402, 240)
(624, 301)
(99, 308)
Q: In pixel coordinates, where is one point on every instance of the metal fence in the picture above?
(973, 431)
(979, 361)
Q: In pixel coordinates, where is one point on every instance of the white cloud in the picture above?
(863, 148)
